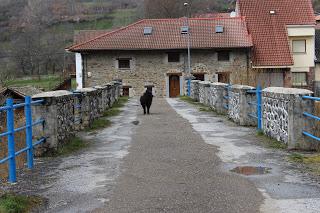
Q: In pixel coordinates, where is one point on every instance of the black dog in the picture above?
(146, 101)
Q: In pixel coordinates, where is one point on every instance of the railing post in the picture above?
(11, 148)
(28, 114)
(259, 106)
(189, 87)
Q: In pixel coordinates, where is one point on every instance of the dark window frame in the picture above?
(224, 55)
(124, 63)
(173, 57)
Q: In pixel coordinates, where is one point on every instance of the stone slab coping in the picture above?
(51, 94)
(238, 86)
(100, 87)
(289, 91)
(84, 90)
(218, 84)
(204, 82)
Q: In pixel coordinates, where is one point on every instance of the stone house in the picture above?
(271, 43)
(154, 52)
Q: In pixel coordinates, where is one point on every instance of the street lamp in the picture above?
(187, 6)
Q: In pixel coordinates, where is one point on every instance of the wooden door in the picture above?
(125, 91)
(174, 84)
(224, 77)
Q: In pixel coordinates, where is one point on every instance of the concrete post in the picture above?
(283, 118)
(57, 111)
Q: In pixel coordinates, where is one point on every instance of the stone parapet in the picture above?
(282, 115)
(57, 111)
(65, 112)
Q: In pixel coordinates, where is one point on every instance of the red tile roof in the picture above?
(166, 34)
(269, 33)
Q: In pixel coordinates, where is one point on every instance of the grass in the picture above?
(45, 82)
(310, 161)
(103, 122)
(12, 203)
(74, 145)
(271, 142)
(296, 157)
(100, 123)
(112, 112)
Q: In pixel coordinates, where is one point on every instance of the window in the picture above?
(184, 30)
(147, 31)
(299, 79)
(124, 63)
(223, 56)
(219, 29)
(299, 46)
(173, 57)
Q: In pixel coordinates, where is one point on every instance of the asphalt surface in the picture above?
(178, 159)
(170, 168)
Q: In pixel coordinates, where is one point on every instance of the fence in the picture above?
(258, 106)
(62, 113)
(279, 112)
(311, 116)
(10, 134)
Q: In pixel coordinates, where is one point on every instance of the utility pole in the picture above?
(187, 6)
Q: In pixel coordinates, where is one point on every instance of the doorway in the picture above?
(174, 86)
(224, 77)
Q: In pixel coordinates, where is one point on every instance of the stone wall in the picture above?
(152, 67)
(282, 110)
(65, 112)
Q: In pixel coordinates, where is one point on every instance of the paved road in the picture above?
(170, 168)
(177, 159)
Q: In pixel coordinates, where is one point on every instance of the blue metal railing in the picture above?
(11, 158)
(227, 97)
(308, 115)
(258, 105)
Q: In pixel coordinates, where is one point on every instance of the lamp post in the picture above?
(189, 54)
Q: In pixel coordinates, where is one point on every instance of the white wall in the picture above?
(79, 71)
(302, 61)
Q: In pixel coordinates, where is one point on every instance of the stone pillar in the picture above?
(216, 101)
(282, 116)
(57, 111)
(238, 105)
(99, 96)
(203, 92)
(89, 105)
(194, 93)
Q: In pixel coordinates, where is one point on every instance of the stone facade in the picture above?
(152, 67)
